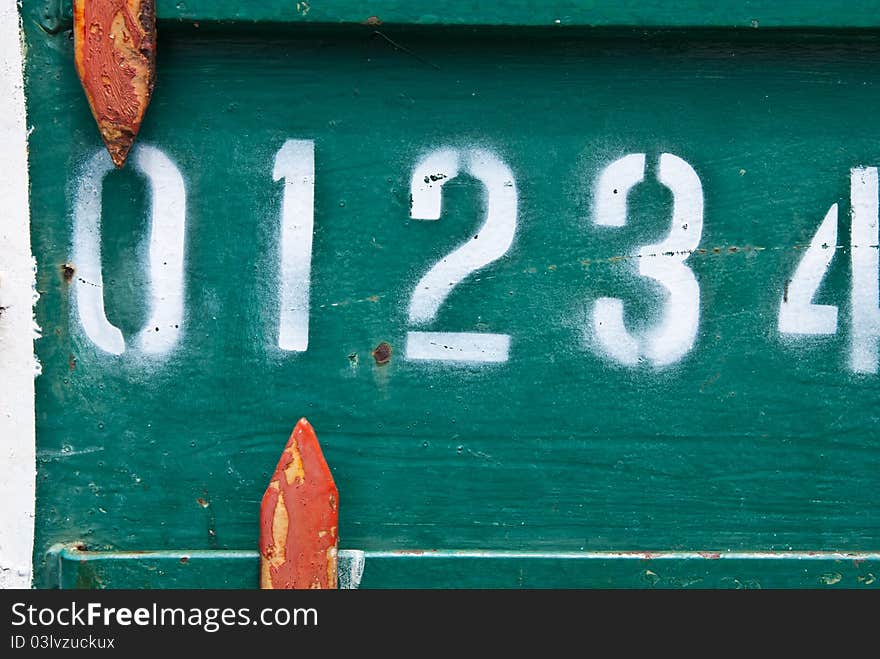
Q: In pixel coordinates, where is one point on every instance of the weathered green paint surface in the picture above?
(751, 442)
(632, 13)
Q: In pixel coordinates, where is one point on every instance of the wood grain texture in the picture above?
(115, 56)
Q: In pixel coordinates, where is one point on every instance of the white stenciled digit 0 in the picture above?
(166, 252)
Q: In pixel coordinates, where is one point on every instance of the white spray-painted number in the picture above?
(664, 262)
(295, 163)
(797, 313)
(490, 243)
(666, 343)
(166, 252)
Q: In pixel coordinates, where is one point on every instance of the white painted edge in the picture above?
(18, 330)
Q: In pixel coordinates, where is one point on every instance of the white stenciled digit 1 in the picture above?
(490, 243)
(664, 262)
(295, 163)
(166, 252)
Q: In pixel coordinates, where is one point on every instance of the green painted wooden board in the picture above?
(750, 440)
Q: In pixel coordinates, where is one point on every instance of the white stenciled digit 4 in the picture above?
(797, 313)
(165, 260)
(664, 262)
(490, 243)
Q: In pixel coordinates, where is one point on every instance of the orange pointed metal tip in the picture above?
(299, 518)
(114, 45)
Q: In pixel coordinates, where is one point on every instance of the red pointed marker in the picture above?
(114, 46)
(299, 518)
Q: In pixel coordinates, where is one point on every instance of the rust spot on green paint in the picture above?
(382, 353)
(67, 272)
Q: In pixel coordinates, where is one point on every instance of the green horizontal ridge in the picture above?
(74, 568)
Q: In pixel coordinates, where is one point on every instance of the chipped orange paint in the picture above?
(115, 56)
(298, 518)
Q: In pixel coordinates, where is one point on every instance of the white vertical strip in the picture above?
(864, 190)
(17, 296)
(295, 163)
(167, 249)
(89, 284)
